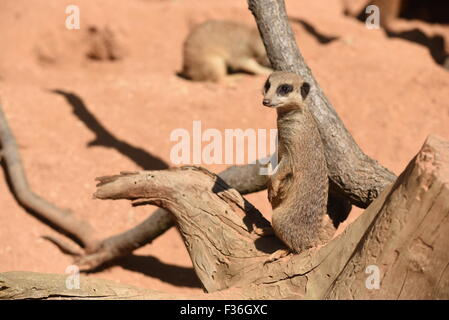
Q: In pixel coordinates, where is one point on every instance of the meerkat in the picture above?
(214, 47)
(298, 190)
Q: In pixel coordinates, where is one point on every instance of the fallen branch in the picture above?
(62, 220)
(32, 285)
(122, 244)
(227, 242)
(245, 179)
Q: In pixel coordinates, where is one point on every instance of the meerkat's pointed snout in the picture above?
(267, 102)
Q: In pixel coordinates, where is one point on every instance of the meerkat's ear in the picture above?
(305, 88)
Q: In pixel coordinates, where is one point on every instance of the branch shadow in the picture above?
(254, 218)
(153, 267)
(320, 37)
(435, 44)
(428, 11)
(104, 138)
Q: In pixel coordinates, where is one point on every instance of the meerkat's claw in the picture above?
(278, 254)
(264, 232)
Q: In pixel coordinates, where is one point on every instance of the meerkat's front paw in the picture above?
(278, 254)
(264, 231)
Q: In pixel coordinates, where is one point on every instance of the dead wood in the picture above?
(216, 222)
(245, 179)
(227, 238)
(33, 285)
(403, 232)
(124, 243)
(61, 219)
(409, 236)
(46, 286)
(96, 252)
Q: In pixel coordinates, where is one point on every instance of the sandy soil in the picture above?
(389, 92)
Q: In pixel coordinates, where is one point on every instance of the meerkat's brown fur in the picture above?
(215, 46)
(298, 190)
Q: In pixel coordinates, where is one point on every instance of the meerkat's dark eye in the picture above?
(284, 89)
(305, 88)
(267, 85)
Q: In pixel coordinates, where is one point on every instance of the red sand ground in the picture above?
(389, 92)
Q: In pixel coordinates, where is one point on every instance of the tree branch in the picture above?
(62, 220)
(33, 285)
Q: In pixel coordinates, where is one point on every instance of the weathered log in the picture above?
(404, 233)
(409, 238)
(229, 243)
(222, 230)
(32, 285)
(228, 240)
(109, 249)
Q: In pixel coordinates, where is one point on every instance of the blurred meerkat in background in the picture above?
(214, 48)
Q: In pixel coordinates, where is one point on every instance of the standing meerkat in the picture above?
(298, 190)
(214, 47)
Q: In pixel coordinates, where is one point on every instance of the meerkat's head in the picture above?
(285, 90)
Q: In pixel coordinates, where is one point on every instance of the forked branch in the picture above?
(229, 241)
